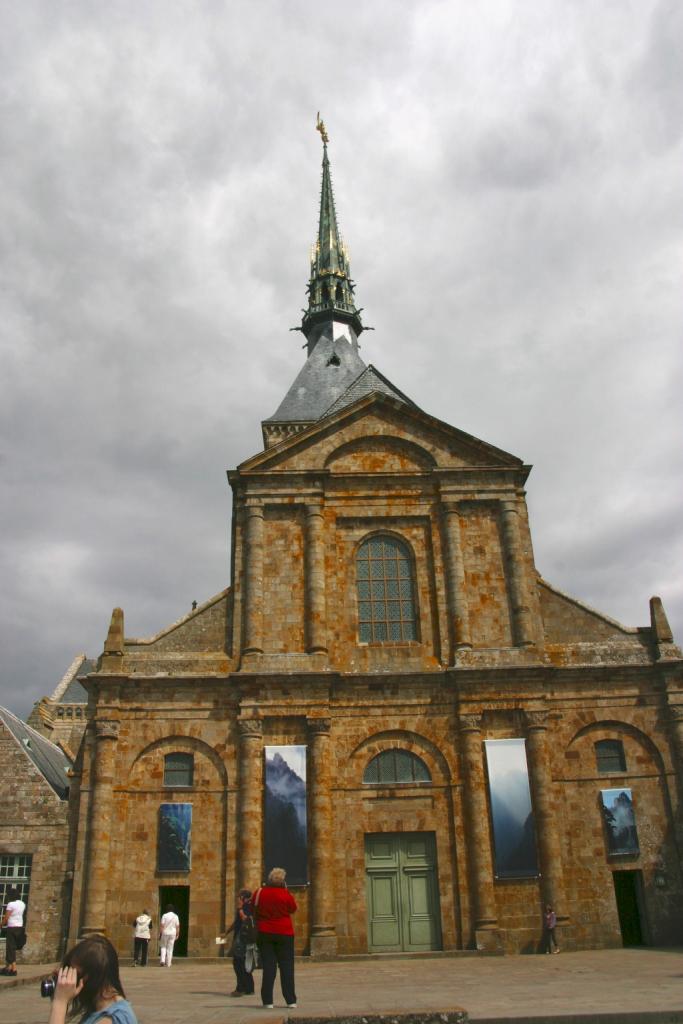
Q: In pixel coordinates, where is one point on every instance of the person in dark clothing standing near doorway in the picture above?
(243, 919)
(273, 907)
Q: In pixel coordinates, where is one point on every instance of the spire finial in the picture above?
(320, 127)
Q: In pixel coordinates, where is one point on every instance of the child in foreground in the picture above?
(88, 984)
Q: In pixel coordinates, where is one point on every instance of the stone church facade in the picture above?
(384, 611)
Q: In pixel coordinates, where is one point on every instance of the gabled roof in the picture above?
(481, 453)
(49, 759)
(367, 382)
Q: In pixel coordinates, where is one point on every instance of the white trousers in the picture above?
(166, 944)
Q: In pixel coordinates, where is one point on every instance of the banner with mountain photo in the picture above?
(285, 826)
(514, 835)
(174, 846)
(620, 822)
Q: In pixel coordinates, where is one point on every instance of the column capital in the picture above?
(537, 719)
(314, 508)
(676, 712)
(253, 507)
(450, 507)
(509, 505)
(106, 729)
(470, 723)
(318, 726)
(250, 728)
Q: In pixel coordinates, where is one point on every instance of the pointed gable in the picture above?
(381, 422)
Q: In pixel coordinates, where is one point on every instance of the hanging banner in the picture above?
(285, 826)
(620, 822)
(174, 846)
(514, 836)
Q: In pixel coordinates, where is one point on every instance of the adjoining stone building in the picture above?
(34, 838)
(384, 610)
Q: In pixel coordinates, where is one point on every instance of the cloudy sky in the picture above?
(508, 181)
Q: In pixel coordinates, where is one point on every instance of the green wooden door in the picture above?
(402, 892)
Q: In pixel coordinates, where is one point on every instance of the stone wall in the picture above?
(34, 821)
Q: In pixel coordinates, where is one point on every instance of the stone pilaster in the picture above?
(253, 580)
(545, 804)
(458, 611)
(478, 834)
(314, 570)
(321, 830)
(250, 804)
(99, 831)
(521, 617)
(676, 726)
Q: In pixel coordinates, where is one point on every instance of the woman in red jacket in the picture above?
(273, 907)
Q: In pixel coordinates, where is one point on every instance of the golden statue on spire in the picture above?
(320, 127)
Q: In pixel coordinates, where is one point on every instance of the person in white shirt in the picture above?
(169, 930)
(141, 936)
(13, 922)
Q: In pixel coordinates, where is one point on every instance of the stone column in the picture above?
(545, 810)
(521, 617)
(321, 830)
(250, 804)
(458, 610)
(478, 834)
(314, 575)
(253, 580)
(99, 830)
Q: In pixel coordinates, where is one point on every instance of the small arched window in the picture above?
(178, 769)
(386, 591)
(396, 766)
(610, 757)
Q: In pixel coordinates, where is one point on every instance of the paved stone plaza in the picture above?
(631, 985)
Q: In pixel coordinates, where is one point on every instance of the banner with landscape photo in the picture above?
(174, 846)
(514, 835)
(285, 825)
(620, 822)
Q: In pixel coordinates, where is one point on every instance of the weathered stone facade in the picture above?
(278, 658)
(35, 827)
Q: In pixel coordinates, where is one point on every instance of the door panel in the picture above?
(385, 925)
(402, 891)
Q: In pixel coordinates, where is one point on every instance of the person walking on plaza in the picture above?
(141, 937)
(273, 907)
(169, 930)
(243, 931)
(15, 936)
(549, 925)
(88, 985)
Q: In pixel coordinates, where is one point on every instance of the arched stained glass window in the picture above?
(396, 766)
(386, 591)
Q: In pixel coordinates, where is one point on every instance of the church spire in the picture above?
(330, 289)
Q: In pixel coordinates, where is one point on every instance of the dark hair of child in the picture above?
(95, 961)
(170, 909)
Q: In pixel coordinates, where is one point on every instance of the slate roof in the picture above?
(49, 759)
(327, 373)
(369, 381)
(75, 692)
